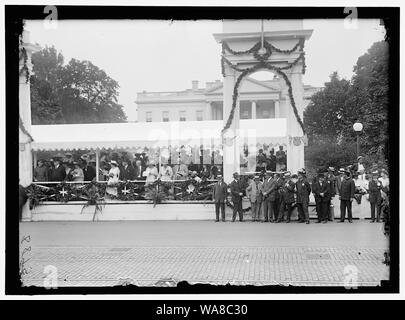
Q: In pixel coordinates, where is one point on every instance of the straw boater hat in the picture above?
(114, 162)
(287, 174)
(331, 168)
(359, 157)
(375, 173)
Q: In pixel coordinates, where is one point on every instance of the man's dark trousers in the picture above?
(237, 207)
(219, 205)
(343, 205)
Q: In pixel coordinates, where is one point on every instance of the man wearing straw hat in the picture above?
(237, 194)
(374, 192)
(253, 192)
(346, 196)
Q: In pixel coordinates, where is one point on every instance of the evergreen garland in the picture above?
(263, 64)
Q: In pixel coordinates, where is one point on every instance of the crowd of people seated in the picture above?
(273, 162)
(119, 168)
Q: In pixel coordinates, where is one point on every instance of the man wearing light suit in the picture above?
(219, 197)
(253, 192)
(269, 197)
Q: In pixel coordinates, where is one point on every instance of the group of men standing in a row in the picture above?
(279, 193)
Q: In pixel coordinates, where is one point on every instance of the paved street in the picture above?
(160, 253)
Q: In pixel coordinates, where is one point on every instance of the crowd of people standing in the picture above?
(274, 197)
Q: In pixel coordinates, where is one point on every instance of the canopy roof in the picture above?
(152, 134)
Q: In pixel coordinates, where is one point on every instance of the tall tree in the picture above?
(78, 92)
(326, 116)
(332, 111)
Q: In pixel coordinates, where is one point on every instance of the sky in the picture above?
(166, 56)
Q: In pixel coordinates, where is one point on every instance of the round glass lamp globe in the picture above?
(358, 127)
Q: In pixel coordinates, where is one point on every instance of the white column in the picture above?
(209, 111)
(25, 154)
(97, 164)
(295, 154)
(254, 110)
(276, 109)
(231, 160)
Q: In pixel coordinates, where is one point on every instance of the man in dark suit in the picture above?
(272, 161)
(374, 196)
(89, 171)
(139, 169)
(331, 179)
(237, 194)
(346, 196)
(303, 191)
(289, 193)
(127, 172)
(58, 172)
(219, 197)
(269, 196)
(321, 190)
(277, 193)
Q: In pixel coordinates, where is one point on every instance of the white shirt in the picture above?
(150, 174)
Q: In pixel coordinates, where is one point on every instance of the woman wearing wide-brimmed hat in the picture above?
(77, 173)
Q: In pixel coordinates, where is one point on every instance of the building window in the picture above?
(182, 115)
(245, 110)
(199, 115)
(149, 116)
(165, 116)
(265, 110)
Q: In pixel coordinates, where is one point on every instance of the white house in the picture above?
(258, 100)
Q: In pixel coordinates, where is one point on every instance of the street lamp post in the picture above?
(358, 127)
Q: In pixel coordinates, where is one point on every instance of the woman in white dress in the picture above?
(113, 178)
(151, 173)
(166, 172)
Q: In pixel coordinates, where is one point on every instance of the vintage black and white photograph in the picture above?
(227, 152)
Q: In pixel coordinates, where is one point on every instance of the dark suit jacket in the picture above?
(236, 188)
(272, 162)
(219, 192)
(289, 191)
(269, 187)
(128, 173)
(374, 191)
(279, 188)
(138, 173)
(347, 189)
(303, 191)
(57, 174)
(317, 189)
(89, 173)
(332, 180)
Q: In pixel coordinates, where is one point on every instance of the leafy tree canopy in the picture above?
(333, 111)
(78, 92)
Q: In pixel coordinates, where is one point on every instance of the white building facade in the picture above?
(257, 100)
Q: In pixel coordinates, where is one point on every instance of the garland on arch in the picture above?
(262, 64)
(268, 46)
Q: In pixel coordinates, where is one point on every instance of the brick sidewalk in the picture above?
(164, 266)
